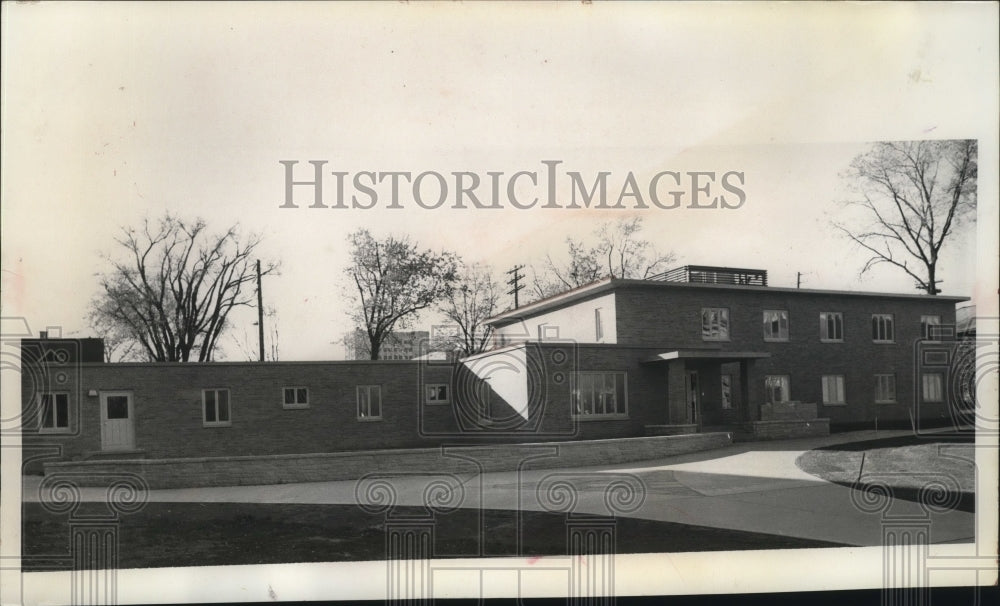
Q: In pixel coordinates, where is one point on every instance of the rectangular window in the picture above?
(775, 325)
(715, 324)
(882, 328)
(369, 402)
(831, 326)
(598, 326)
(933, 387)
(215, 407)
(53, 412)
(295, 397)
(727, 391)
(885, 388)
(833, 389)
(930, 327)
(777, 388)
(437, 393)
(547, 332)
(599, 395)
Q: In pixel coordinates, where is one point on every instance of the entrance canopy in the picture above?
(706, 354)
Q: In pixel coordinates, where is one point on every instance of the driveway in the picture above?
(751, 486)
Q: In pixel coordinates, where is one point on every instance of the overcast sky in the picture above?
(116, 112)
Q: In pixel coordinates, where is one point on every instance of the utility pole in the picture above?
(260, 314)
(798, 279)
(515, 282)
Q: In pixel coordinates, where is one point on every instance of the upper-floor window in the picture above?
(930, 327)
(831, 326)
(775, 325)
(882, 328)
(715, 324)
(295, 397)
(215, 408)
(54, 412)
(369, 402)
(598, 324)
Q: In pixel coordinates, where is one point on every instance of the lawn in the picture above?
(906, 465)
(207, 534)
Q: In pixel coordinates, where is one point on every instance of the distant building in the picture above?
(399, 345)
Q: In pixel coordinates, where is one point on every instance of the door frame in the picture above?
(693, 383)
(104, 395)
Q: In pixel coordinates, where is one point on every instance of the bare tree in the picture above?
(171, 295)
(247, 344)
(393, 280)
(619, 252)
(913, 196)
(475, 298)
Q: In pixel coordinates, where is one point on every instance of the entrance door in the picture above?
(116, 421)
(694, 397)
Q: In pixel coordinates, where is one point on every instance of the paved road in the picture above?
(752, 486)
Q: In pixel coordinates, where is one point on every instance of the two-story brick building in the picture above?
(692, 349)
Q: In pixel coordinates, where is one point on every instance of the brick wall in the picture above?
(233, 471)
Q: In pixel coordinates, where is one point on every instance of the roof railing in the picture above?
(707, 274)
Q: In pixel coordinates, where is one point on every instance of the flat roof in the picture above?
(606, 285)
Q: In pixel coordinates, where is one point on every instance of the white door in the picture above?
(116, 421)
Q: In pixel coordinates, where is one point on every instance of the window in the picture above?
(715, 324)
(53, 412)
(599, 395)
(882, 329)
(933, 387)
(930, 327)
(547, 331)
(215, 406)
(598, 326)
(776, 388)
(831, 326)
(295, 397)
(437, 393)
(369, 402)
(727, 391)
(833, 389)
(885, 388)
(775, 325)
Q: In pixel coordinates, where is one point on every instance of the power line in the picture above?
(515, 282)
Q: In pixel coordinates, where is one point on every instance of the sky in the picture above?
(113, 113)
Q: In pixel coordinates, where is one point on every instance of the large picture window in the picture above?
(215, 408)
(775, 325)
(369, 402)
(599, 395)
(715, 324)
(53, 412)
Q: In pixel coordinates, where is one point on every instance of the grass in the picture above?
(906, 464)
(211, 534)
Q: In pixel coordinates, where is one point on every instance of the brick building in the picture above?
(693, 350)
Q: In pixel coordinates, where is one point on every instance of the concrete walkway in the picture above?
(751, 486)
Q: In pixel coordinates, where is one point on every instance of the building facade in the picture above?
(712, 348)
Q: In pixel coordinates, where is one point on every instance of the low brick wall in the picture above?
(780, 430)
(281, 469)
